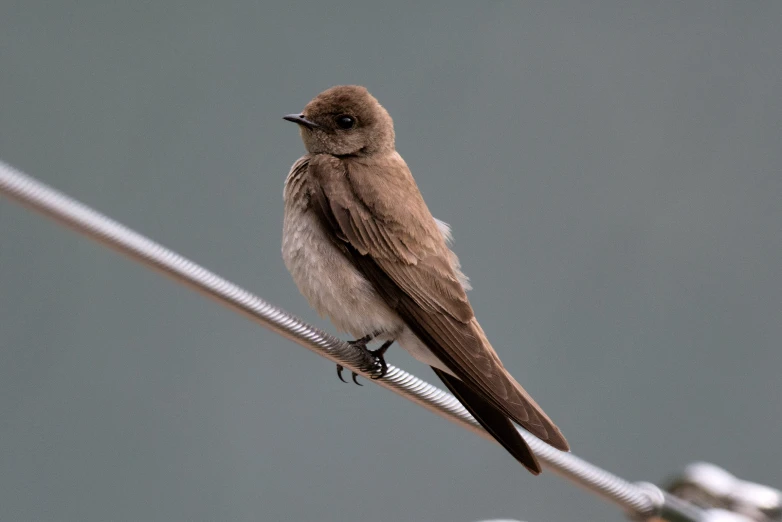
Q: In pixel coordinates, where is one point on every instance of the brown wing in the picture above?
(379, 213)
(493, 420)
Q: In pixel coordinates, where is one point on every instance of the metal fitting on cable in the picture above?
(711, 487)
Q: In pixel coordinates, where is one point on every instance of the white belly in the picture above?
(337, 290)
(331, 284)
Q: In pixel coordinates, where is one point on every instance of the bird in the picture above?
(365, 251)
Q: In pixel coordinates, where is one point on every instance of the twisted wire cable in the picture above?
(640, 501)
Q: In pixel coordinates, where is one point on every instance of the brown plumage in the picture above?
(364, 249)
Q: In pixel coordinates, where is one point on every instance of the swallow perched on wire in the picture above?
(365, 251)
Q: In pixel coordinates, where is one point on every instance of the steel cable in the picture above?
(640, 501)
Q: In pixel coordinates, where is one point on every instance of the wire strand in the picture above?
(641, 501)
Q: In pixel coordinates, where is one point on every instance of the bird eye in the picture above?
(345, 122)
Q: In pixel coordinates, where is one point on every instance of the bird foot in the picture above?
(377, 355)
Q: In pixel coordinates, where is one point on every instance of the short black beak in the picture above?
(301, 120)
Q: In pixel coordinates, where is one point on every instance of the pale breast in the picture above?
(329, 281)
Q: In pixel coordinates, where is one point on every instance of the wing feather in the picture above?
(393, 239)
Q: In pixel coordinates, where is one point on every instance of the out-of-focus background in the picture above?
(613, 175)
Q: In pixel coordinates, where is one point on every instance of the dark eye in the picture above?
(345, 122)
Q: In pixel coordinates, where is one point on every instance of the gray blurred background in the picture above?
(629, 154)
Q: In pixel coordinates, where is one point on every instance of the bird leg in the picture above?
(377, 355)
(358, 343)
(362, 343)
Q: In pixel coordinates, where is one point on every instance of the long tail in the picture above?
(493, 420)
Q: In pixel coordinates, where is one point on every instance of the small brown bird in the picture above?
(366, 252)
